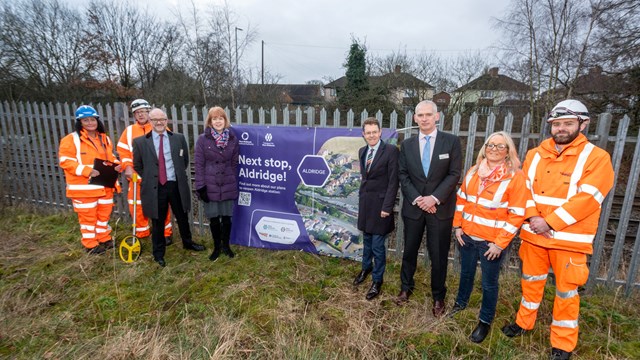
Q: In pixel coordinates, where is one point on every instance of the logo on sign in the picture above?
(244, 139)
(276, 230)
(314, 170)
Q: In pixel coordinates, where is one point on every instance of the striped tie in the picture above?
(369, 159)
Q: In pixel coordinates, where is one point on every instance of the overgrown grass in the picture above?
(57, 302)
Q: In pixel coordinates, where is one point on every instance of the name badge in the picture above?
(182, 150)
(443, 156)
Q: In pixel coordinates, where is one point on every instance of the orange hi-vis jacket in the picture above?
(76, 155)
(497, 212)
(567, 189)
(125, 144)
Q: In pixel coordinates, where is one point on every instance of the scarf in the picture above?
(488, 175)
(220, 139)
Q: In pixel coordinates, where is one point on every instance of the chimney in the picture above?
(596, 70)
(397, 69)
(493, 72)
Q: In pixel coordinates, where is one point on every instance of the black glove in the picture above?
(202, 194)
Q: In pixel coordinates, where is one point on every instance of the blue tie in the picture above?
(426, 156)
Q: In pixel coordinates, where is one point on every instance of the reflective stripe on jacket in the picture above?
(76, 155)
(125, 143)
(497, 212)
(567, 189)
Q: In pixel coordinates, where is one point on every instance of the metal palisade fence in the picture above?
(31, 132)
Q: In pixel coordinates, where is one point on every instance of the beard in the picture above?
(564, 138)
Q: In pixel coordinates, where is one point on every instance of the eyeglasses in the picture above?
(562, 111)
(496, 146)
(158, 120)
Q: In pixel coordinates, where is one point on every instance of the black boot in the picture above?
(216, 234)
(226, 233)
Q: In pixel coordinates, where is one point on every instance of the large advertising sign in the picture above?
(299, 189)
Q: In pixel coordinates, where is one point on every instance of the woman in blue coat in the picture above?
(216, 165)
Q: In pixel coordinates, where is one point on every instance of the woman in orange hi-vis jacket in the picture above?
(490, 209)
(92, 203)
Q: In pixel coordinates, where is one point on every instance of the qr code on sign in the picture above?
(244, 199)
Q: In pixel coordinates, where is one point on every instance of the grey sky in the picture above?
(309, 40)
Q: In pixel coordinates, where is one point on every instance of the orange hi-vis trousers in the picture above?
(93, 216)
(571, 271)
(143, 227)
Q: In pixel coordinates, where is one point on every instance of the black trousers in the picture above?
(438, 244)
(168, 194)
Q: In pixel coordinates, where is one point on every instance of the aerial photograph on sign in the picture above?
(329, 204)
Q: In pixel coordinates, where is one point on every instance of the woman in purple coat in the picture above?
(216, 165)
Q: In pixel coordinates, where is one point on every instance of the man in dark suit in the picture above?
(162, 159)
(378, 192)
(430, 165)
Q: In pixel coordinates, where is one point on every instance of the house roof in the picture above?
(392, 80)
(302, 94)
(491, 80)
(594, 83)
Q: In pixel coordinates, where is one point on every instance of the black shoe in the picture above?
(98, 250)
(227, 251)
(374, 290)
(160, 262)
(109, 244)
(193, 246)
(456, 309)
(512, 330)
(403, 297)
(215, 254)
(557, 354)
(480, 332)
(167, 241)
(361, 277)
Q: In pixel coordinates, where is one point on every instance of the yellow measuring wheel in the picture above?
(129, 248)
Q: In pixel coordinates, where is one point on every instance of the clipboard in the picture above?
(108, 174)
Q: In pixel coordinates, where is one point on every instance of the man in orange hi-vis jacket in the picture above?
(568, 178)
(142, 126)
(92, 203)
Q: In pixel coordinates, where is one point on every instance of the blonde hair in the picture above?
(512, 161)
(215, 112)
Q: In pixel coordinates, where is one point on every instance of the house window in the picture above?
(332, 92)
(486, 94)
(409, 93)
(484, 110)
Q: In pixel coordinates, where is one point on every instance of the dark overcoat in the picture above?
(145, 162)
(378, 189)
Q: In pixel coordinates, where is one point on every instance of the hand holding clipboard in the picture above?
(108, 174)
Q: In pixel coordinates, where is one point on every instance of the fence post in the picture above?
(632, 186)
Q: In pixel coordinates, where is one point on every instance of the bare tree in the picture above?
(44, 50)
(618, 35)
(158, 45)
(211, 54)
(234, 40)
(462, 70)
(116, 28)
(553, 39)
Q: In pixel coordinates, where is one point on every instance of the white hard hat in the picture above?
(569, 109)
(139, 104)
